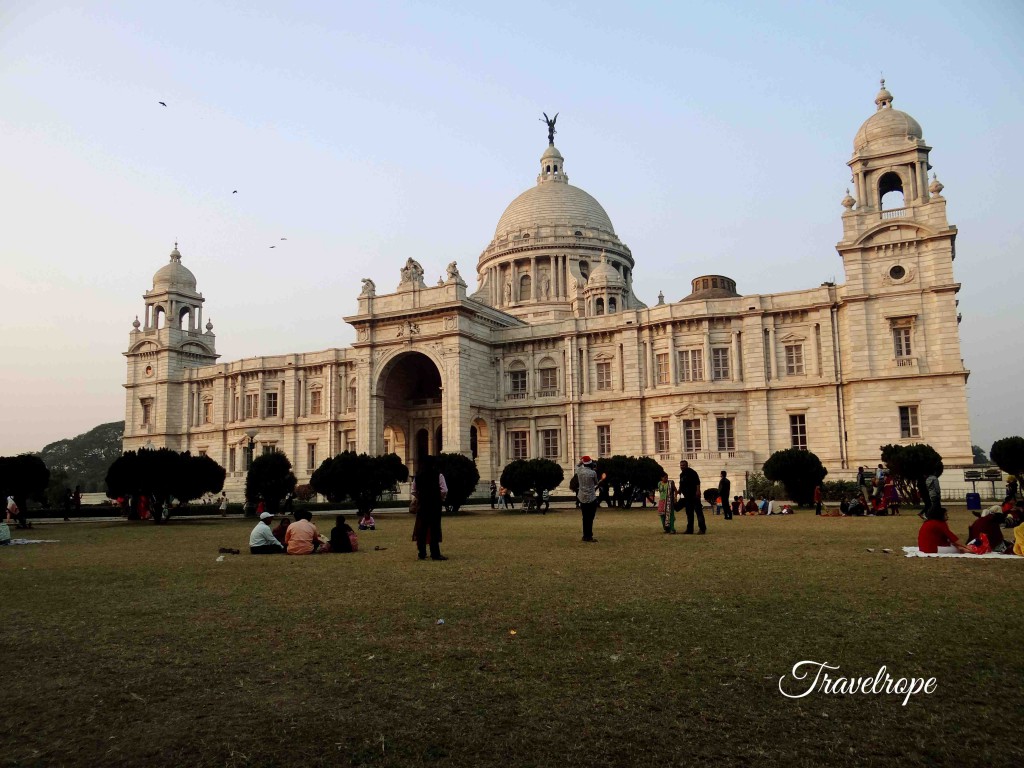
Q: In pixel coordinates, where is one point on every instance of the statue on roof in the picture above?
(369, 288)
(551, 127)
(453, 273)
(412, 275)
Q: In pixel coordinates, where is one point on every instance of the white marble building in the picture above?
(554, 356)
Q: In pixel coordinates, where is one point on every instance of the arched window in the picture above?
(611, 305)
(158, 317)
(525, 288)
(185, 319)
(599, 307)
(890, 191)
(585, 270)
(547, 169)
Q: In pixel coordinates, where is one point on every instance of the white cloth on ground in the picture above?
(915, 552)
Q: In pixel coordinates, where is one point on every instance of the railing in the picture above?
(906, 362)
(547, 393)
(515, 396)
(895, 213)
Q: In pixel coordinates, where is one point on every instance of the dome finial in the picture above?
(175, 255)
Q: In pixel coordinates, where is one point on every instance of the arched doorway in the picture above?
(409, 398)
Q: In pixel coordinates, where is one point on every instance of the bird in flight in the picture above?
(284, 238)
(161, 104)
(234, 192)
(273, 246)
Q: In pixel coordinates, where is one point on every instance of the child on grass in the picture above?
(367, 523)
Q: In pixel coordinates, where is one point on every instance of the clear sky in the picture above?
(715, 135)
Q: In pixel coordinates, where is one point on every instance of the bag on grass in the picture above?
(354, 540)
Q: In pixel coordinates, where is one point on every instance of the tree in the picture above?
(271, 477)
(161, 475)
(461, 476)
(359, 477)
(798, 470)
(628, 473)
(979, 454)
(1008, 455)
(909, 465)
(537, 475)
(24, 477)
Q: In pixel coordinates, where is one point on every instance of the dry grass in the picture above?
(127, 644)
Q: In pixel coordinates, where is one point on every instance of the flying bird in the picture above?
(284, 238)
(273, 246)
(161, 104)
(234, 192)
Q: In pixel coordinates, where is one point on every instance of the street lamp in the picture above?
(252, 444)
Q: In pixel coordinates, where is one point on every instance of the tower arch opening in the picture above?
(890, 191)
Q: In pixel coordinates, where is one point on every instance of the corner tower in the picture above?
(898, 331)
(168, 341)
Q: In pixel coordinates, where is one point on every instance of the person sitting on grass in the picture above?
(934, 537)
(262, 540)
(989, 524)
(302, 537)
(367, 523)
(751, 508)
(282, 529)
(340, 541)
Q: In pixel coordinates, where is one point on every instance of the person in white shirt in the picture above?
(262, 540)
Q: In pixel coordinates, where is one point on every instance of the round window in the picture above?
(149, 370)
(897, 272)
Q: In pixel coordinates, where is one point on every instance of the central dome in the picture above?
(174, 275)
(553, 204)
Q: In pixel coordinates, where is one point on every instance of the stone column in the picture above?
(772, 364)
(260, 406)
(502, 448)
(673, 355)
(813, 344)
(534, 282)
(652, 373)
(534, 448)
(514, 274)
(736, 356)
(707, 351)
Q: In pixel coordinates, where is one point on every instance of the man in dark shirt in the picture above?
(724, 486)
(689, 487)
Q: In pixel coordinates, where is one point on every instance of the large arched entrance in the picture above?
(409, 393)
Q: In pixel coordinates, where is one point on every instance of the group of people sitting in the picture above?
(302, 537)
(984, 535)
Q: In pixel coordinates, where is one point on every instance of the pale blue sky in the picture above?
(715, 135)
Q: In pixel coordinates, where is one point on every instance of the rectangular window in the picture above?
(794, 359)
(661, 366)
(519, 446)
(604, 375)
(798, 431)
(315, 402)
(604, 440)
(549, 441)
(252, 406)
(691, 365)
(549, 379)
(147, 412)
(901, 342)
(661, 436)
(517, 382)
(909, 425)
(202, 451)
(231, 459)
(726, 433)
(720, 363)
(691, 435)
(387, 446)
(208, 412)
(271, 404)
(269, 448)
(350, 441)
(311, 456)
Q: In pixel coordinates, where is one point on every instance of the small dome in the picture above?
(174, 275)
(886, 123)
(712, 287)
(605, 274)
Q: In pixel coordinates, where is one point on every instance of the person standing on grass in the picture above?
(724, 487)
(817, 499)
(588, 482)
(665, 510)
(863, 484)
(224, 504)
(689, 488)
(262, 540)
(430, 489)
(494, 494)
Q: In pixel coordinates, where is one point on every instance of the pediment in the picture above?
(691, 412)
(792, 338)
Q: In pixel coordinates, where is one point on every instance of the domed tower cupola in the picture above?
(606, 290)
(552, 166)
(890, 159)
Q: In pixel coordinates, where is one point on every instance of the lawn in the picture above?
(129, 644)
